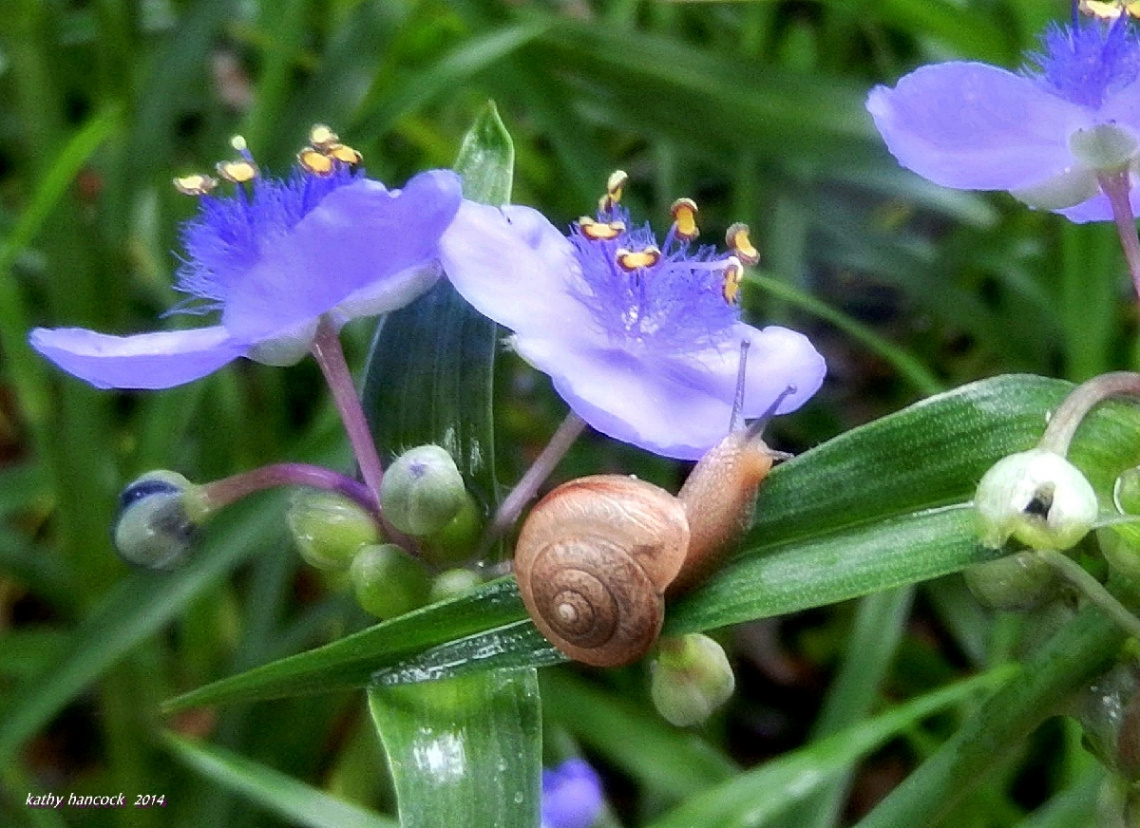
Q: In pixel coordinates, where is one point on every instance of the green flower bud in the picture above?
(422, 491)
(1013, 583)
(690, 678)
(1037, 497)
(457, 540)
(157, 520)
(452, 584)
(328, 528)
(388, 581)
(1109, 713)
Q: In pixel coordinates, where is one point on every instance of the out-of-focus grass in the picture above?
(752, 108)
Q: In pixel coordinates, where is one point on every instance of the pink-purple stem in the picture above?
(230, 489)
(1117, 186)
(330, 356)
(528, 485)
(1081, 400)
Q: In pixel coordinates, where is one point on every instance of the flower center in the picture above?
(672, 294)
(1087, 61)
(230, 233)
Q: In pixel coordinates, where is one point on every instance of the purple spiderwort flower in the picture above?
(571, 795)
(642, 341)
(276, 258)
(1049, 134)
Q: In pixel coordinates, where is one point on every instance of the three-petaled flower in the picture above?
(276, 258)
(1048, 134)
(643, 341)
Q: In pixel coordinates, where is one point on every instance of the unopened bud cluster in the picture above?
(423, 496)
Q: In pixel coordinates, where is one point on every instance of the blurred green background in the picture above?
(754, 109)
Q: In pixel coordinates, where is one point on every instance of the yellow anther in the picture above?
(343, 153)
(238, 143)
(1109, 9)
(737, 239)
(600, 230)
(237, 172)
(684, 212)
(614, 185)
(315, 161)
(630, 260)
(321, 137)
(196, 184)
(733, 274)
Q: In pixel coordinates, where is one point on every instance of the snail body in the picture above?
(596, 556)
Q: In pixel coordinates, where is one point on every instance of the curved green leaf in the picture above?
(751, 799)
(881, 506)
(135, 608)
(299, 803)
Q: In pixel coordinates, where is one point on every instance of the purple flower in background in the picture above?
(274, 259)
(1046, 134)
(643, 341)
(571, 795)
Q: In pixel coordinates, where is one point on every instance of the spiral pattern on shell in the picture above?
(593, 561)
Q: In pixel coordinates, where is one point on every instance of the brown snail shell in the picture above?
(593, 561)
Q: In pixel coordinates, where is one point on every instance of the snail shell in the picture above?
(593, 561)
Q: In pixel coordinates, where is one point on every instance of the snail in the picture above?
(596, 556)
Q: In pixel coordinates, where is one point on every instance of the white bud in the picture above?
(1037, 497)
(157, 520)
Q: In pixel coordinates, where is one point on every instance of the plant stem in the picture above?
(330, 356)
(1092, 589)
(230, 489)
(1116, 187)
(528, 484)
(1086, 396)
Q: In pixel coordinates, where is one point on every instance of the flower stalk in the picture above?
(230, 489)
(513, 504)
(327, 351)
(1091, 588)
(1117, 186)
(1083, 399)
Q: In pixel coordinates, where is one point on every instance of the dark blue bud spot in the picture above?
(145, 488)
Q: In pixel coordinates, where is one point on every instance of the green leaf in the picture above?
(430, 372)
(486, 159)
(135, 608)
(1073, 657)
(878, 507)
(352, 660)
(467, 751)
(27, 370)
(295, 801)
(633, 736)
(751, 799)
(464, 752)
